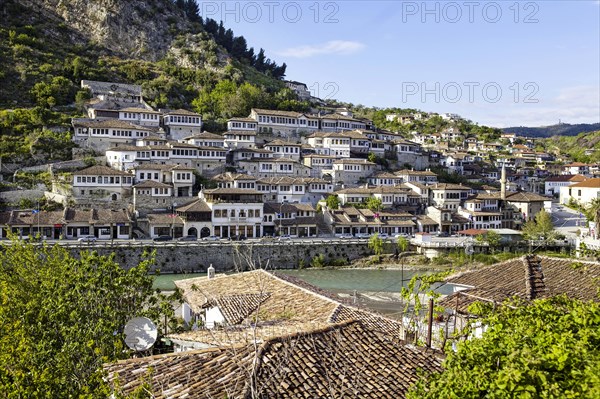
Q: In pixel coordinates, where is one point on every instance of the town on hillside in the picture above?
(144, 173)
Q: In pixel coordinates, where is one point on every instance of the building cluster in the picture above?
(271, 170)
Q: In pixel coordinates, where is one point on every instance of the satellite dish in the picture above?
(140, 333)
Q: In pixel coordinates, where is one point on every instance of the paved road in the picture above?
(567, 221)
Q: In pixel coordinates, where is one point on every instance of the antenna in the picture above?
(140, 334)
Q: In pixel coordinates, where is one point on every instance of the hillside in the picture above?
(585, 147)
(48, 46)
(564, 129)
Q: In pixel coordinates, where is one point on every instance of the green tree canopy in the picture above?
(61, 318)
(375, 204)
(539, 228)
(548, 349)
(376, 244)
(332, 201)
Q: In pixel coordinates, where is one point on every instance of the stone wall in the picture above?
(186, 258)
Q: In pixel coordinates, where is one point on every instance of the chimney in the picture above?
(211, 272)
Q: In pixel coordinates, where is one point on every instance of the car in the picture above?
(211, 238)
(187, 238)
(347, 236)
(285, 237)
(87, 239)
(239, 237)
(363, 235)
(384, 236)
(403, 235)
(443, 234)
(162, 238)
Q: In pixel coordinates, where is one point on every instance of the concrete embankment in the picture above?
(189, 258)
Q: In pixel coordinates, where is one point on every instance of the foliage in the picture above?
(376, 244)
(374, 204)
(61, 318)
(541, 228)
(549, 349)
(402, 244)
(492, 238)
(318, 261)
(578, 147)
(419, 287)
(332, 201)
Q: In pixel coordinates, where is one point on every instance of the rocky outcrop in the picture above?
(141, 29)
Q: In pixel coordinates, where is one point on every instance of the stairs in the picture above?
(323, 229)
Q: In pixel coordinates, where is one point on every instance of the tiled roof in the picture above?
(182, 112)
(523, 196)
(415, 172)
(449, 186)
(290, 114)
(95, 216)
(589, 183)
(231, 191)
(353, 161)
(152, 184)
(282, 143)
(109, 123)
(565, 178)
(100, 170)
(205, 135)
(195, 206)
(298, 304)
(348, 359)
(528, 277)
(164, 218)
(236, 308)
(375, 190)
(233, 176)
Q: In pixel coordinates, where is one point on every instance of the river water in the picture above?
(376, 289)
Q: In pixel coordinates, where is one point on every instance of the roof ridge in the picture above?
(534, 276)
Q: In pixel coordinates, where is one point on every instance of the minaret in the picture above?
(503, 183)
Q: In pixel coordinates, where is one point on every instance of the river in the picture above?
(377, 289)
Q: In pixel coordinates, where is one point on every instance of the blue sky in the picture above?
(500, 63)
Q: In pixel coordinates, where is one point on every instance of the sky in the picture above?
(497, 63)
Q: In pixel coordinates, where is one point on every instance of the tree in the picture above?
(375, 204)
(546, 349)
(376, 244)
(333, 202)
(540, 228)
(62, 317)
(492, 238)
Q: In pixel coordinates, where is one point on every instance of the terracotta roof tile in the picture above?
(527, 278)
(343, 360)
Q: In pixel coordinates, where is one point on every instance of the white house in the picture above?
(181, 123)
(553, 184)
(583, 192)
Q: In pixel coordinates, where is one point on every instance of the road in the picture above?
(567, 221)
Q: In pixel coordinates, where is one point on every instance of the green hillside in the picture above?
(585, 147)
(178, 59)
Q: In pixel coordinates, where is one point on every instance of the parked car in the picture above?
(162, 238)
(87, 239)
(239, 237)
(347, 236)
(285, 237)
(443, 234)
(187, 238)
(404, 235)
(384, 236)
(211, 238)
(363, 235)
